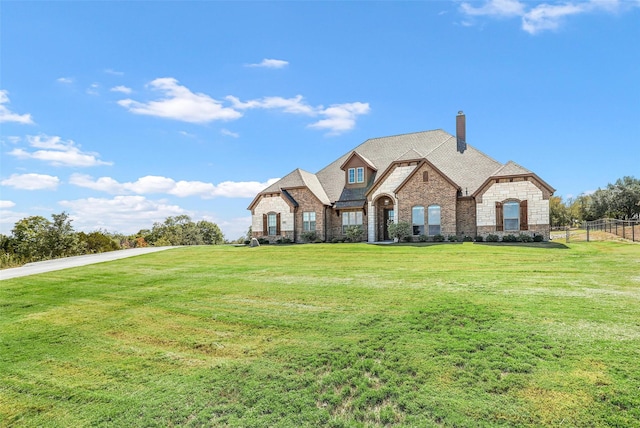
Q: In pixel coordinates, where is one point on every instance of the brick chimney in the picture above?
(461, 132)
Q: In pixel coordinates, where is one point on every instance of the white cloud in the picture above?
(229, 133)
(57, 152)
(506, 8)
(114, 72)
(549, 17)
(125, 214)
(543, 16)
(7, 204)
(156, 184)
(182, 104)
(232, 228)
(31, 182)
(8, 116)
(66, 80)
(122, 89)
(179, 103)
(295, 105)
(341, 117)
(93, 89)
(9, 218)
(338, 118)
(270, 63)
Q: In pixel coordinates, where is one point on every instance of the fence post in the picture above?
(567, 233)
(588, 232)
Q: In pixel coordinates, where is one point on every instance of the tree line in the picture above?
(620, 200)
(35, 238)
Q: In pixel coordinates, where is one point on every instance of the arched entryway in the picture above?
(385, 211)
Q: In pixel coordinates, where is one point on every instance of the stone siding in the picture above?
(272, 203)
(537, 205)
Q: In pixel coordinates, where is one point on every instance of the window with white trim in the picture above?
(351, 218)
(355, 175)
(309, 221)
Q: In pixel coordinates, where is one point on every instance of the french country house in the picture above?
(433, 180)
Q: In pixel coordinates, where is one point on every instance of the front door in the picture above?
(388, 215)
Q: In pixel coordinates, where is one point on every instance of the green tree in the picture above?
(61, 240)
(30, 238)
(558, 212)
(210, 232)
(624, 198)
(399, 230)
(97, 242)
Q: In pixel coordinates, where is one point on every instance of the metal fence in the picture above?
(598, 230)
(626, 229)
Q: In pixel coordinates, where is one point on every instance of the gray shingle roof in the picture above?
(300, 178)
(468, 169)
(510, 168)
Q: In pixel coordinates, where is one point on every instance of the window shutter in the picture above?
(265, 227)
(524, 219)
(499, 217)
(278, 224)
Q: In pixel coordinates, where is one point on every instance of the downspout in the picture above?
(295, 216)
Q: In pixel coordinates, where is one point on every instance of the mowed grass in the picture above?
(329, 335)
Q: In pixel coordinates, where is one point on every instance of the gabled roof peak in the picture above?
(410, 154)
(363, 158)
(510, 168)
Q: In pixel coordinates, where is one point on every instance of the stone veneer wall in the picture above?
(537, 204)
(436, 191)
(307, 202)
(272, 203)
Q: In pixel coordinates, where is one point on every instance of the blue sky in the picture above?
(125, 113)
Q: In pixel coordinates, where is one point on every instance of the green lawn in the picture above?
(329, 335)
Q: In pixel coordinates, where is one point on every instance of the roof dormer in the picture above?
(358, 170)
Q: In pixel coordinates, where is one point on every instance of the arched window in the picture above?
(433, 219)
(417, 220)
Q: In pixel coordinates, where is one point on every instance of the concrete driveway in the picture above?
(69, 262)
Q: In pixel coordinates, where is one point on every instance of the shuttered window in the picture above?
(512, 216)
(272, 224)
(511, 213)
(524, 216)
(499, 217)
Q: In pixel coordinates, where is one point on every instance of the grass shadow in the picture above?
(550, 245)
